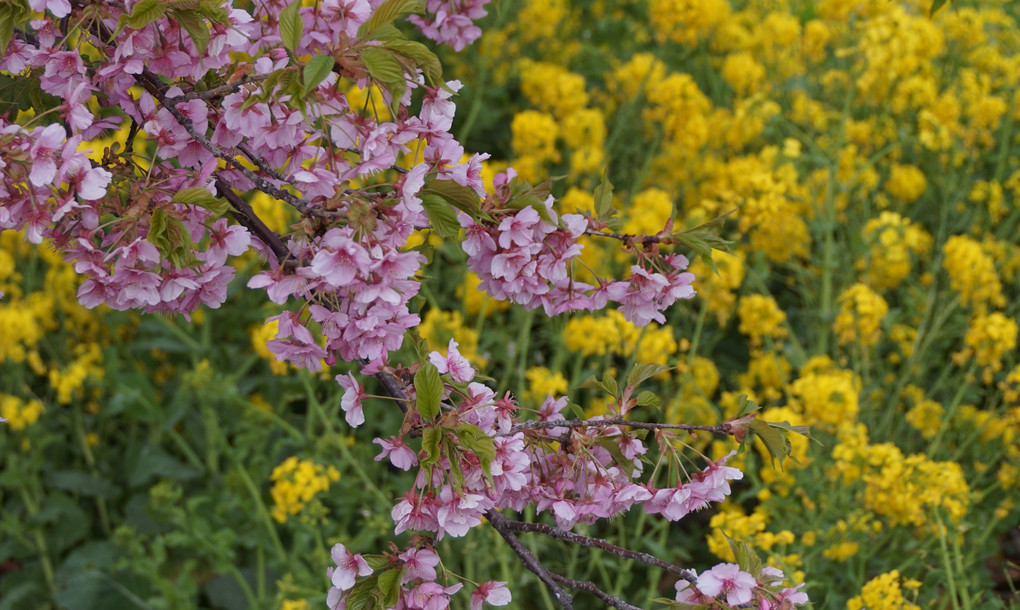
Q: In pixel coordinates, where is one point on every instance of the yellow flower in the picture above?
(743, 72)
(296, 483)
(881, 593)
(860, 316)
(686, 21)
(551, 88)
(542, 382)
(18, 413)
(828, 400)
(972, 273)
(760, 317)
(906, 183)
(991, 337)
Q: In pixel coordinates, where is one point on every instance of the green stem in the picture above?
(951, 411)
(263, 512)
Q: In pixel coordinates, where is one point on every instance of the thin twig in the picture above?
(589, 587)
(247, 217)
(499, 522)
(613, 421)
(216, 91)
(595, 543)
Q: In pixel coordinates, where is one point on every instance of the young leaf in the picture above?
(429, 389)
(421, 56)
(389, 586)
(464, 198)
(430, 439)
(477, 442)
(387, 71)
(316, 71)
(201, 197)
(643, 371)
(194, 24)
(12, 14)
(387, 12)
(775, 442)
(442, 215)
(145, 12)
(291, 26)
(604, 197)
(648, 399)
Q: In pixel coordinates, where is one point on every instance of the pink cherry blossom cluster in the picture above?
(581, 482)
(524, 258)
(738, 588)
(451, 22)
(418, 587)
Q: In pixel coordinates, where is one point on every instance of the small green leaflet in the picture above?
(429, 389)
(430, 440)
(441, 215)
(145, 12)
(193, 23)
(202, 198)
(387, 71)
(316, 71)
(643, 371)
(12, 14)
(604, 198)
(387, 12)
(291, 26)
(935, 6)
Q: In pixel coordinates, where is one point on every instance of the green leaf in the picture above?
(145, 12)
(775, 442)
(389, 586)
(365, 594)
(477, 442)
(648, 399)
(745, 557)
(464, 198)
(376, 562)
(316, 71)
(422, 57)
(745, 406)
(643, 371)
(611, 386)
(82, 483)
(387, 71)
(429, 389)
(13, 14)
(193, 23)
(201, 197)
(291, 26)
(604, 197)
(935, 6)
(441, 215)
(431, 438)
(387, 13)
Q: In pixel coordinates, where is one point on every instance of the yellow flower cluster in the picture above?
(828, 399)
(760, 317)
(542, 382)
(991, 337)
(892, 239)
(686, 21)
(612, 333)
(648, 212)
(972, 273)
(295, 485)
(19, 413)
(68, 382)
(533, 139)
(884, 592)
(860, 316)
(552, 88)
(926, 415)
(905, 490)
(906, 183)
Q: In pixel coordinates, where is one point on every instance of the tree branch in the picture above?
(589, 587)
(725, 428)
(499, 522)
(595, 543)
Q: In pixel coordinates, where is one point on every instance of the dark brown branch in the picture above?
(595, 543)
(247, 217)
(499, 522)
(613, 421)
(589, 587)
(216, 91)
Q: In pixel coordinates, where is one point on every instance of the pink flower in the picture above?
(59, 8)
(400, 454)
(727, 578)
(348, 567)
(686, 593)
(493, 593)
(48, 141)
(419, 563)
(456, 365)
(354, 392)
